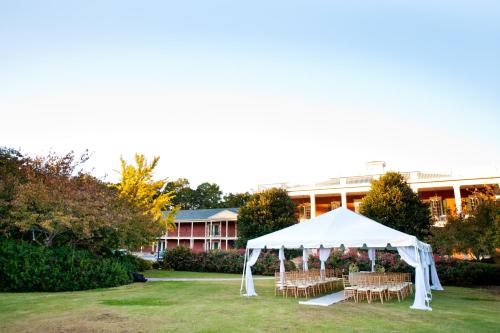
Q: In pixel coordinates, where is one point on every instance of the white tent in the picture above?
(344, 228)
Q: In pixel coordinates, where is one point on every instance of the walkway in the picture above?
(325, 300)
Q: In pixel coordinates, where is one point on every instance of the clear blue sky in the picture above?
(242, 93)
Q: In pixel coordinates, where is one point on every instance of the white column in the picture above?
(191, 240)
(343, 198)
(206, 236)
(312, 197)
(458, 198)
(178, 234)
(227, 225)
(210, 233)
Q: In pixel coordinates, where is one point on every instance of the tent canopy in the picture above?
(344, 228)
(339, 227)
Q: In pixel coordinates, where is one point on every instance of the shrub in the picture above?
(388, 260)
(230, 261)
(467, 273)
(28, 267)
(135, 264)
(353, 268)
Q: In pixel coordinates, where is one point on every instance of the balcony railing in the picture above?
(359, 180)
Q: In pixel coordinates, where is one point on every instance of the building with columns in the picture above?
(201, 230)
(444, 193)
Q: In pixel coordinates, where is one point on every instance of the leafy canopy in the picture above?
(392, 202)
(139, 188)
(265, 212)
(206, 195)
(476, 233)
(53, 201)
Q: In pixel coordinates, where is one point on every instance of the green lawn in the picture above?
(217, 307)
(181, 274)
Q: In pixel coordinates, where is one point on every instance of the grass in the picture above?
(156, 273)
(217, 307)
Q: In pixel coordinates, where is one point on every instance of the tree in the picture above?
(184, 196)
(56, 203)
(393, 203)
(138, 187)
(265, 212)
(476, 233)
(208, 196)
(235, 200)
(11, 174)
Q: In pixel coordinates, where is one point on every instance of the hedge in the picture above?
(450, 272)
(390, 261)
(28, 267)
(223, 261)
(136, 264)
(468, 273)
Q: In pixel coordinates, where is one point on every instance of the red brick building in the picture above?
(201, 230)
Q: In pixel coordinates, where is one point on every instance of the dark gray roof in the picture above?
(201, 214)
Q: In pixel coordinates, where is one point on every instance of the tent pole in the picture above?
(244, 270)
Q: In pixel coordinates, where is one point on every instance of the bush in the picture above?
(388, 261)
(467, 273)
(450, 272)
(231, 261)
(28, 267)
(136, 264)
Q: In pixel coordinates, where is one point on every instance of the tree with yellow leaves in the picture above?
(139, 188)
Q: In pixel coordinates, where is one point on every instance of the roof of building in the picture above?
(201, 214)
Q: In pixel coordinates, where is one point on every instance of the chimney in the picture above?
(375, 167)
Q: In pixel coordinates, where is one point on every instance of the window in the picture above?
(215, 230)
(215, 245)
(334, 205)
(305, 211)
(472, 203)
(436, 207)
(357, 205)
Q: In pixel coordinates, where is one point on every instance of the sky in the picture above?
(243, 93)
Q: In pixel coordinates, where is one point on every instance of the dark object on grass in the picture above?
(138, 277)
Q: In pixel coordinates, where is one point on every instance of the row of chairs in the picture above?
(307, 283)
(369, 286)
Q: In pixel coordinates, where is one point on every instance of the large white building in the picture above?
(445, 193)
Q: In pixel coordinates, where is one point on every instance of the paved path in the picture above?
(205, 279)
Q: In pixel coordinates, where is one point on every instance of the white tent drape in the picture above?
(305, 259)
(436, 284)
(323, 256)
(371, 256)
(424, 257)
(248, 272)
(281, 257)
(410, 254)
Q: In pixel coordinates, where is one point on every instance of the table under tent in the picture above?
(342, 228)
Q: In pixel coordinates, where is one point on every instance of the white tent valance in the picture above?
(344, 228)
